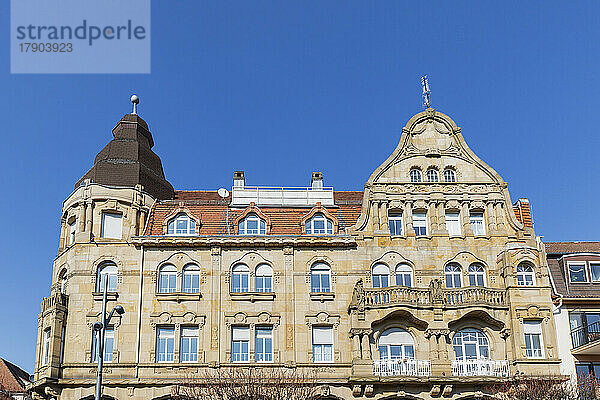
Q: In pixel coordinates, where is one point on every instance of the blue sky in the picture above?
(280, 89)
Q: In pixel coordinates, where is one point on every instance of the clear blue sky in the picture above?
(280, 89)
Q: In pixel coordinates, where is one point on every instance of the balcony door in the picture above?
(471, 344)
(396, 344)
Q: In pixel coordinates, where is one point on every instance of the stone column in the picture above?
(443, 345)
(142, 224)
(356, 353)
(466, 222)
(499, 216)
(81, 221)
(366, 346)
(134, 222)
(433, 346)
(88, 218)
(375, 214)
(441, 208)
(63, 232)
(410, 231)
(383, 217)
(433, 220)
(491, 217)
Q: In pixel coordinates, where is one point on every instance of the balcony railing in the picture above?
(396, 295)
(585, 334)
(402, 367)
(473, 296)
(496, 368)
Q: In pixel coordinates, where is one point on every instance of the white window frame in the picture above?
(404, 270)
(263, 334)
(415, 175)
(395, 221)
(189, 339)
(165, 334)
(394, 338)
(103, 274)
(379, 271)
(112, 225)
(525, 270)
(72, 231)
(241, 335)
(477, 221)
(454, 270)
(167, 274)
(191, 273)
(453, 223)
(261, 225)
(449, 175)
(477, 271)
(420, 221)
(317, 271)
(263, 278)
(481, 342)
(577, 264)
(594, 263)
(433, 175)
(241, 272)
(46, 346)
(322, 346)
(309, 226)
(530, 330)
(109, 338)
(173, 228)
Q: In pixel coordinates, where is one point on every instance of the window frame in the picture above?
(415, 175)
(190, 271)
(590, 264)
(581, 264)
(404, 346)
(408, 270)
(453, 273)
(169, 338)
(323, 346)
(477, 219)
(103, 226)
(112, 278)
(378, 277)
(95, 343)
(423, 223)
(480, 337)
(449, 175)
(47, 335)
(433, 175)
(241, 342)
(320, 269)
(72, 231)
(190, 225)
(168, 272)
(264, 356)
(309, 225)
(533, 353)
(395, 220)
(261, 225)
(447, 213)
(190, 356)
(522, 272)
(261, 279)
(479, 276)
(242, 271)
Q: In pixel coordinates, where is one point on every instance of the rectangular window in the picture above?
(420, 223)
(453, 223)
(165, 344)
(595, 271)
(112, 225)
(577, 272)
(533, 339)
(240, 339)
(477, 225)
(395, 223)
(264, 344)
(188, 351)
(46, 347)
(322, 344)
(72, 231)
(109, 339)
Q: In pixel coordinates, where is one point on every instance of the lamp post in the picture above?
(100, 328)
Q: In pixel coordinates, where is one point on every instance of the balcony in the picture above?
(586, 339)
(396, 295)
(474, 296)
(402, 367)
(493, 368)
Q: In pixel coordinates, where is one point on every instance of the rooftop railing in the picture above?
(277, 196)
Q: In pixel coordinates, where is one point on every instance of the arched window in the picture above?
(476, 275)
(525, 275)
(62, 281)
(396, 343)
(191, 279)
(107, 275)
(453, 276)
(319, 225)
(239, 281)
(252, 225)
(449, 175)
(181, 224)
(404, 275)
(432, 175)
(320, 278)
(264, 278)
(167, 279)
(470, 344)
(415, 175)
(381, 276)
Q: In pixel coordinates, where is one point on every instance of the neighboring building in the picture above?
(575, 273)
(427, 284)
(13, 381)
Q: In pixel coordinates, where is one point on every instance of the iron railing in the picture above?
(402, 367)
(496, 368)
(585, 334)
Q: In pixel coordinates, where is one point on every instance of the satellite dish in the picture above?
(223, 192)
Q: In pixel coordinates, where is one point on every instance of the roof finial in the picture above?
(135, 100)
(426, 91)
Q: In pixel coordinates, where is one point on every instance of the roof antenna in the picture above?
(135, 100)
(426, 91)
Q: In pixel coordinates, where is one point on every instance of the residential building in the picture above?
(429, 283)
(575, 271)
(13, 381)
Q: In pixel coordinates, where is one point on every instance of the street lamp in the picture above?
(100, 329)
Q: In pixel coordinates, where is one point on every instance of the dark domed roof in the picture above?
(128, 160)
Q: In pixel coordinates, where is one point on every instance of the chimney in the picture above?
(316, 183)
(238, 179)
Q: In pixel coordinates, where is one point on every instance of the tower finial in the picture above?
(426, 91)
(135, 100)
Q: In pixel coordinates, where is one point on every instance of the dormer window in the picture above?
(181, 225)
(415, 175)
(449, 175)
(432, 175)
(319, 225)
(252, 225)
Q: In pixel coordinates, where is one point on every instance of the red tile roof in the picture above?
(12, 378)
(523, 212)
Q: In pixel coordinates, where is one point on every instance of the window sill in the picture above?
(322, 297)
(252, 296)
(110, 296)
(178, 297)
